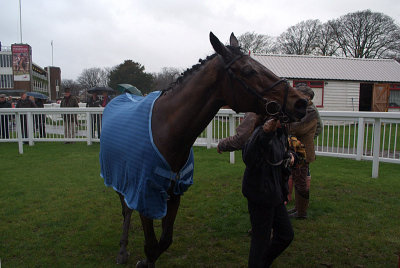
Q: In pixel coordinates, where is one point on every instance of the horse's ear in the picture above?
(218, 46)
(233, 41)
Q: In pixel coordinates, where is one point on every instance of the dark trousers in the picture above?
(96, 124)
(263, 248)
(24, 125)
(4, 127)
(40, 124)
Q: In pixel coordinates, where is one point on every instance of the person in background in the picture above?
(10, 100)
(40, 119)
(4, 119)
(106, 99)
(94, 101)
(305, 131)
(243, 132)
(25, 102)
(69, 119)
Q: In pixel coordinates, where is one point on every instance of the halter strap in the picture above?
(232, 75)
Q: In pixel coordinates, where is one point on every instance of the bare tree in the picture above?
(366, 34)
(93, 77)
(73, 85)
(164, 79)
(257, 43)
(326, 45)
(300, 39)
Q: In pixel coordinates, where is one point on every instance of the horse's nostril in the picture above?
(300, 107)
(301, 104)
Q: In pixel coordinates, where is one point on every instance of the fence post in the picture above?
(377, 141)
(89, 128)
(19, 133)
(30, 126)
(231, 133)
(360, 138)
(209, 135)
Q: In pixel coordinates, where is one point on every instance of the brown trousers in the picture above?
(299, 175)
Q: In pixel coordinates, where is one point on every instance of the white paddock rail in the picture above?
(345, 134)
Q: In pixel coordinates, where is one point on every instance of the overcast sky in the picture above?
(155, 33)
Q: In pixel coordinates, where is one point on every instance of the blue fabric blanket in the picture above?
(131, 163)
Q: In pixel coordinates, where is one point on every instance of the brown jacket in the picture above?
(72, 101)
(305, 131)
(243, 132)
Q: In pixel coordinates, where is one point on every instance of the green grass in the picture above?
(56, 212)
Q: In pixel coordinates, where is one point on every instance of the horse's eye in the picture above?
(248, 71)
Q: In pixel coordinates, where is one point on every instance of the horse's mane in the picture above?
(188, 72)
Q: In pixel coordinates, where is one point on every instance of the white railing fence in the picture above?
(345, 134)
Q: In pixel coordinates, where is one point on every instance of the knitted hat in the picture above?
(306, 90)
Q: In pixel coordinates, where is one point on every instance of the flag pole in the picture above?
(20, 21)
(52, 64)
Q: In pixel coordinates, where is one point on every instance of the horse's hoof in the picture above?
(145, 264)
(141, 264)
(122, 257)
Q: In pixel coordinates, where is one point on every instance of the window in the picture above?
(317, 87)
(6, 81)
(394, 96)
(5, 60)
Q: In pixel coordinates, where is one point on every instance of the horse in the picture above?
(175, 119)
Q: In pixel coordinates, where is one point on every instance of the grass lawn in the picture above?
(56, 212)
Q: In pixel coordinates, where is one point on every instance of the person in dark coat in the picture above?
(4, 119)
(25, 102)
(264, 185)
(70, 120)
(94, 101)
(40, 119)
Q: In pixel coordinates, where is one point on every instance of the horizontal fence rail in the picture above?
(345, 134)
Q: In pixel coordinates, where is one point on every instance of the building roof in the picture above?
(331, 68)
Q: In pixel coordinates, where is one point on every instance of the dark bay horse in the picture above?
(180, 114)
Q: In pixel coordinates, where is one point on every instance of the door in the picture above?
(380, 98)
(365, 100)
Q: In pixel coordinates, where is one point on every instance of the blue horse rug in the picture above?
(130, 161)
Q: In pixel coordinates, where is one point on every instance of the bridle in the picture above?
(272, 108)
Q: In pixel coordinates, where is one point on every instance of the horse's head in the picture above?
(251, 87)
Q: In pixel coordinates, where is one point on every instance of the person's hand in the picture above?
(270, 126)
(291, 159)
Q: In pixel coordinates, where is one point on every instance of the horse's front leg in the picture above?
(152, 248)
(168, 222)
(122, 257)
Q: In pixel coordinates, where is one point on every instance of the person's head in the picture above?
(105, 94)
(2, 97)
(23, 95)
(305, 90)
(67, 92)
(94, 95)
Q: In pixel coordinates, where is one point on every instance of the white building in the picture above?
(342, 84)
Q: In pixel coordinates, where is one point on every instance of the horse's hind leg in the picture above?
(126, 213)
